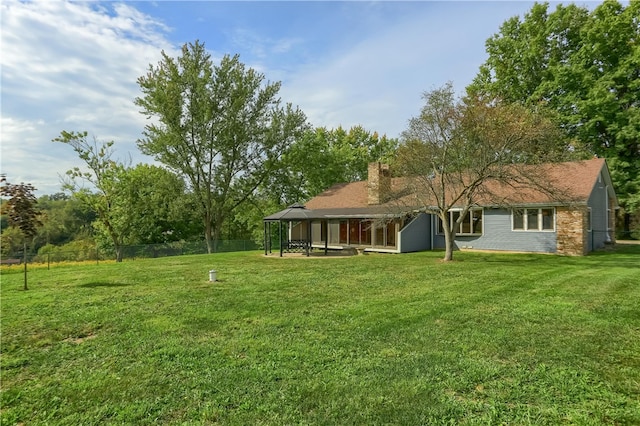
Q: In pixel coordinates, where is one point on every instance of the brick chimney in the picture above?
(378, 183)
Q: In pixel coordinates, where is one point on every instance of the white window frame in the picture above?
(525, 220)
(471, 211)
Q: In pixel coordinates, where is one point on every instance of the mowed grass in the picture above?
(366, 340)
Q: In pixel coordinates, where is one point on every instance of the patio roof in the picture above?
(293, 213)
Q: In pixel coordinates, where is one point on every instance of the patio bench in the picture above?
(298, 245)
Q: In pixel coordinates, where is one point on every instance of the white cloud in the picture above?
(74, 65)
(26, 158)
(377, 82)
(71, 66)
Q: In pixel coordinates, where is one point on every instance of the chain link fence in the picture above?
(57, 255)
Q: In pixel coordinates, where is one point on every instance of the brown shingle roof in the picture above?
(555, 183)
(340, 196)
(572, 182)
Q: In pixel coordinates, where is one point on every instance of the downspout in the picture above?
(433, 226)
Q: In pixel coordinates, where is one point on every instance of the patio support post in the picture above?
(280, 234)
(326, 237)
(308, 244)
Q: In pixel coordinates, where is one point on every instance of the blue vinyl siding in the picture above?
(416, 235)
(498, 235)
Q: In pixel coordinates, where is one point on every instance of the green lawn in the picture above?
(370, 339)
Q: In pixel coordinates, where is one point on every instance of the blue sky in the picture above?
(74, 65)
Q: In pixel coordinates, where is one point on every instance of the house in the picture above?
(367, 216)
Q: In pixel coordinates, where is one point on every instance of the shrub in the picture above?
(77, 250)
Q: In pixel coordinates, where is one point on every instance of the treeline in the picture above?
(149, 205)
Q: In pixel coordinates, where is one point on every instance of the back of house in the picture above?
(367, 215)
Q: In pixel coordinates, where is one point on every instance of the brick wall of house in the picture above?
(571, 231)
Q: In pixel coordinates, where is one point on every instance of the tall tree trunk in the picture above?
(217, 231)
(448, 236)
(212, 232)
(208, 236)
(448, 244)
(119, 250)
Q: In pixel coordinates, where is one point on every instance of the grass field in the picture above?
(366, 340)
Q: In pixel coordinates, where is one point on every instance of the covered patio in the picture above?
(297, 236)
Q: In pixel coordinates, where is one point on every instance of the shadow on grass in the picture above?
(620, 255)
(95, 284)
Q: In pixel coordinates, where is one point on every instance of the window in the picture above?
(470, 225)
(518, 219)
(318, 232)
(589, 219)
(385, 234)
(391, 235)
(344, 232)
(547, 219)
(334, 232)
(380, 229)
(533, 219)
(365, 232)
(354, 232)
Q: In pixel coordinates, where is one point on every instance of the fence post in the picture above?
(97, 256)
(25, 266)
(48, 261)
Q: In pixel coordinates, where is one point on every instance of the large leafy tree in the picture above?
(144, 204)
(220, 126)
(22, 211)
(583, 65)
(453, 148)
(356, 148)
(324, 157)
(157, 206)
(103, 176)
